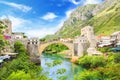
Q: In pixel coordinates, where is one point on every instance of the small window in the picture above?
(32, 42)
(36, 42)
(28, 42)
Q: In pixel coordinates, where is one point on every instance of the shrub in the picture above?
(108, 73)
(116, 57)
(92, 61)
(104, 49)
(21, 68)
(87, 75)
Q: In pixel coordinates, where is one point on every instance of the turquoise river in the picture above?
(71, 69)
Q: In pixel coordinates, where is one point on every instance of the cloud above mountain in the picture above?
(21, 7)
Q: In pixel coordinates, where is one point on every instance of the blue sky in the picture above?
(38, 18)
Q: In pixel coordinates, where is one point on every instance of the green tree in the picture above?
(87, 75)
(92, 61)
(21, 68)
(19, 47)
(3, 43)
(116, 57)
(19, 75)
(104, 49)
(55, 48)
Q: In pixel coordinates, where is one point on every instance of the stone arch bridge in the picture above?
(67, 44)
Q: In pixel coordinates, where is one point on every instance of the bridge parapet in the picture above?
(33, 41)
(55, 42)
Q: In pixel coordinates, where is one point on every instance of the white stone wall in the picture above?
(83, 45)
(17, 36)
(86, 42)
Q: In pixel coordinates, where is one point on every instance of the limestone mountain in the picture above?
(104, 17)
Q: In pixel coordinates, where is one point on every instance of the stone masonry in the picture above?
(85, 43)
(33, 50)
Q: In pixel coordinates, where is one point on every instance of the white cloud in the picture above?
(68, 13)
(49, 16)
(92, 2)
(45, 31)
(85, 2)
(75, 2)
(59, 5)
(40, 32)
(21, 7)
(16, 22)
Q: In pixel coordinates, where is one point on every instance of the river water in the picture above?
(71, 69)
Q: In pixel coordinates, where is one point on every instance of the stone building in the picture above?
(81, 44)
(33, 50)
(88, 32)
(31, 44)
(110, 41)
(105, 41)
(17, 35)
(8, 23)
(87, 42)
(116, 37)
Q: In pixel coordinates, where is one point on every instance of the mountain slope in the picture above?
(77, 19)
(105, 18)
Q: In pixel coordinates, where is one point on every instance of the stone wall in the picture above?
(32, 46)
(33, 50)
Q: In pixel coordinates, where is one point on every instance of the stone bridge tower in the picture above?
(33, 50)
(85, 43)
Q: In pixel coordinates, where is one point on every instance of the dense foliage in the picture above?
(100, 68)
(21, 68)
(55, 48)
(3, 42)
(107, 73)
(92, 61)
(104, 49)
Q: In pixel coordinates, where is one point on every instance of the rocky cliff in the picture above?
(104, 17)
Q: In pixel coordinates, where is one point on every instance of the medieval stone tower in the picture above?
(84, 42)
(88, 32)
(81, 44)
(33, 50)
(8, 23)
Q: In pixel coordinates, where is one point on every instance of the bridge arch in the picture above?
(44, 45)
